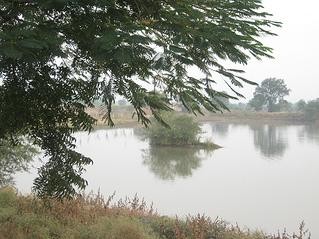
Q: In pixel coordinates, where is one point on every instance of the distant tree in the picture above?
(301, 105)
(284, 105)
(270, 93)
(238, 106)
(257, 102)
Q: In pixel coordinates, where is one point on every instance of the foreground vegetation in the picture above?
(91, 217)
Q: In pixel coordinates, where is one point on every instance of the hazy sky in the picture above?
(296, 49)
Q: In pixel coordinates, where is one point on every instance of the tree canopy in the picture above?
(270, 94)
(58, 56)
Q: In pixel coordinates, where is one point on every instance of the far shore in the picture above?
(123, 117)
(262, 117)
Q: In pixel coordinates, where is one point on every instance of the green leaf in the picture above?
(12, 52)
(177, 49)
(31, 43)
(247, 81)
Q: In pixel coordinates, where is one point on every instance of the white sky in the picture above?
(296, 49)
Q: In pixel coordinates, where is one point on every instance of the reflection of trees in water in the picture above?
(220, 128)
(269, 140)
(309, 132)
(170, 162)
(140, 133)
(14, 159)
(103, 133)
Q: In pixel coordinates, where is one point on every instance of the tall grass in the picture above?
(93, 217)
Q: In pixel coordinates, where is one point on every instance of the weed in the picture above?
(93, 217)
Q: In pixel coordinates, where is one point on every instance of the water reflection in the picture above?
(104, 133)
(140, 134)
(235, 184)
(220, 128)
(168, 163)
(309, 132)
(268, 139)
(14, 159)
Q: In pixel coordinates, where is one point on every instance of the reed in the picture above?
(93, 216)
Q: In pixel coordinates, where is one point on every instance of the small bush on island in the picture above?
(181, 130)
(92, 217)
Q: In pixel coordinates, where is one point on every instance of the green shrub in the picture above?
(182, 130)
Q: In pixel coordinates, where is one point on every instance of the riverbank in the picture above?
(247, 117)
(122, 117)
(199, 145)
(93, 217)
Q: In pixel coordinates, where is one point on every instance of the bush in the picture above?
(182, 130)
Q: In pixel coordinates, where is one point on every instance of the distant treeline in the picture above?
(309, 108)
(269, 96)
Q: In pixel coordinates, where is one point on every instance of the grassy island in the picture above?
(181, 131)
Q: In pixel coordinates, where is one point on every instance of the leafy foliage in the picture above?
(58, 56)
(257, 102)
(270, 94)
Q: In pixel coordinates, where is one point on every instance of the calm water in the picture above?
(265, 177)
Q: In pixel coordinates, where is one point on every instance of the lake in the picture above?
(265, 176)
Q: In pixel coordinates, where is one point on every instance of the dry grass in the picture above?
(246, 116)
(122, 116)
(92, 216)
